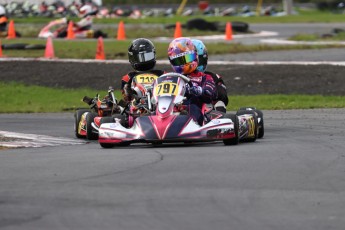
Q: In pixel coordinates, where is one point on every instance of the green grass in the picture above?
(20, 98)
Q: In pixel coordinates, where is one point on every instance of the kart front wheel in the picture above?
(91, 133)
(234, 140)
(77, 116)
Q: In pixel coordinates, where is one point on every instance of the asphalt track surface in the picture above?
(293, 178)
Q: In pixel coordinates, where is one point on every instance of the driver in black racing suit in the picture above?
(142, 56)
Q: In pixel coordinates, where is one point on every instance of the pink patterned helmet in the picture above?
(182, 55)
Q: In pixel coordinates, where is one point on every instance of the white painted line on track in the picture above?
(166, 62)
(20, 140)
(289, 42)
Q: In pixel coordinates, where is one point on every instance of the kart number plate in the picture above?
(145, 78)
(165, 88)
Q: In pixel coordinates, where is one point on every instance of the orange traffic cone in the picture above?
(121, 34)
(11, 32)
(228, 31)
(178, 30)
(70, 31)
(49, 51)
(0, 49)
(100, 49)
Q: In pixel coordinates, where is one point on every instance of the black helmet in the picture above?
(142, 54)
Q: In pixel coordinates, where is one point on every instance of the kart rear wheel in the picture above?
(261, 123)
(256, 126)
(77, 116)
(260, 114)
(91, 133)
(234, 140)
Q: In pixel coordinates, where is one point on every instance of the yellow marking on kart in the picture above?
(166, 88)
(251, 127)
(81, 125)
(145, 78)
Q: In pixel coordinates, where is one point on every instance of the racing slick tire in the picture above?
(260, 123)
(256, 127)
(91, 133)
(77, 116)
(235, 140)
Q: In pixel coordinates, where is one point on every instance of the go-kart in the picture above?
(58, 29)
(168, 121)
(88, 121)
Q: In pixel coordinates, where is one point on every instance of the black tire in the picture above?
(91, 133)
(235, 140)
(35, 47)
(99, 33)
(77, 116)
(15, 46)
(201, 24)
(241, 27)
(256, 125)
(261, 127)
(261, 131)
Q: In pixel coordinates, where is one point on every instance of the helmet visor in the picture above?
(144, 57)
(182, 60)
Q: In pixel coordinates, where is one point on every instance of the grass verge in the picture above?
(20, 98)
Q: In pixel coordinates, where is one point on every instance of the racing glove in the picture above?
(194, 90)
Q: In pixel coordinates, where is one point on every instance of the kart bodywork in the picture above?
(168, 123)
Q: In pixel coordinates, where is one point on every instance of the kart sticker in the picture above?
(168, 88)
(145, 78)
(251, 127)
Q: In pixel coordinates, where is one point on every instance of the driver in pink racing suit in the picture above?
(183, 58)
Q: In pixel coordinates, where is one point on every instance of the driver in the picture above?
(142, 56)
(86, 13)
(222, 96)
(183, 58)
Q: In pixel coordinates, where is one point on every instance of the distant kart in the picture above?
(168, 121)
(58, 29)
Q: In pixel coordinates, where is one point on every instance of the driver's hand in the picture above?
(194, 90)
